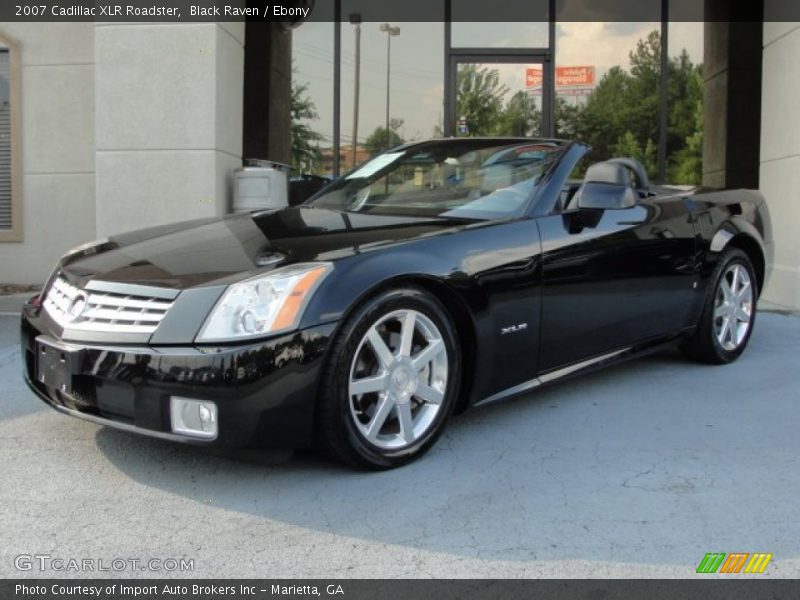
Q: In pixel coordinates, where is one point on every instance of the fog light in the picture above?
(197, 418)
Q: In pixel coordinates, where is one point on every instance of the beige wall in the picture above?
(168, 121)
(780, 157)
(58, 162)
(123, 126)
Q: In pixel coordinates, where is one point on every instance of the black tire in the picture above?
(337, 434)
(703, 345)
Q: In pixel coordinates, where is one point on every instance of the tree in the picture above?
(305, 152)
(569, 119)
(480, 98)
(380, 140)
(605, 117)
(643, 99)
(687, 163)
(521, 117)
(628, 146)
(685, 91)
(685, 130)
(621, 115)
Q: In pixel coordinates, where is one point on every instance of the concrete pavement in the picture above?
(636, 471)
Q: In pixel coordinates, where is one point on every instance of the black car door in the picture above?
(615, 277)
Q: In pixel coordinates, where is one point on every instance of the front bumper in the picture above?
(265, 391)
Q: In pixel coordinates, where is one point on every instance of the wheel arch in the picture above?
(457, 309)
(752, 248)
(748, 243)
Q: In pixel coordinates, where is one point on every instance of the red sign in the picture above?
(574, 76)
(566, 77)
(533, 77)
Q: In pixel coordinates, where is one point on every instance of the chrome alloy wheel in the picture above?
(398, 379)
(733, 307)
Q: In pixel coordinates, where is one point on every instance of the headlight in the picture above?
(263, 305)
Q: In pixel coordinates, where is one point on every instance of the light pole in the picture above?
(355, 19)
(390, 31)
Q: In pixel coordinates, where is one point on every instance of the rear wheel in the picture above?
(728, 313)
(391, 381)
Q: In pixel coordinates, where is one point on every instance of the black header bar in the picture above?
(293, 12)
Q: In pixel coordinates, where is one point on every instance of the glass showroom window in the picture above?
(491, 64)
(685, 102)
(414, 87)
(521, 34)
(607, 88)
(10, 219)
(392, 87)
(312, 90)
(474, 24)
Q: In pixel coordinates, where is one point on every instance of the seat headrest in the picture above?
(608, 172)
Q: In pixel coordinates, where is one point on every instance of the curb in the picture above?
(12, 303)
(766, 306)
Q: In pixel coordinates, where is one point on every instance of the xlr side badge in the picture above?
(513, 328)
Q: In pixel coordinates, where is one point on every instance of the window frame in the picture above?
(15, 114)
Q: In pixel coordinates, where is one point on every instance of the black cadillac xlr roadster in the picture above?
(436, 276)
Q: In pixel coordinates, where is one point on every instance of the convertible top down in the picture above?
(436, 276)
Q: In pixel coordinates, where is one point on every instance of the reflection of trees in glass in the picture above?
(481, 102)
(521, 116)
(685, 130)
(686, 164)
(568, 119)
(306, 155)
(479, 98)
(627, 145)
(380, 140)
(620, 117)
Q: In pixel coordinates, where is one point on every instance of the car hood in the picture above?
(219, 251)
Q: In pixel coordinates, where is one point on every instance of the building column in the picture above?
(168, 123)
(780, 156)
(267, 91)
(731, 99)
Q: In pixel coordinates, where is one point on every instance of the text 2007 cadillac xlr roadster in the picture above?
(436, 276)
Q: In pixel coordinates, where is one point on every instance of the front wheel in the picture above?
(391, 381)
(729, 312)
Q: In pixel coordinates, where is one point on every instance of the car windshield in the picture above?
(458, 178)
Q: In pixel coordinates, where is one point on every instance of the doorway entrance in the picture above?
(498, 94)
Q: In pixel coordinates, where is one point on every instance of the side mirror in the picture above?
(595, 195)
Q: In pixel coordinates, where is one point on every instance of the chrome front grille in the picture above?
(88, 310)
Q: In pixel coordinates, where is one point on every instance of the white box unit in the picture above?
(260, 185)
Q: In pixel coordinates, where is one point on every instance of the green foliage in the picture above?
(480, 99)
(643, 94)
(520, 117)
(569, 124)
(380, 140)
(605, 116)
(305, 152)
(620, 117)
(628, 146)
(686, 165)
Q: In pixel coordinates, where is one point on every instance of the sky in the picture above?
(417, 64)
